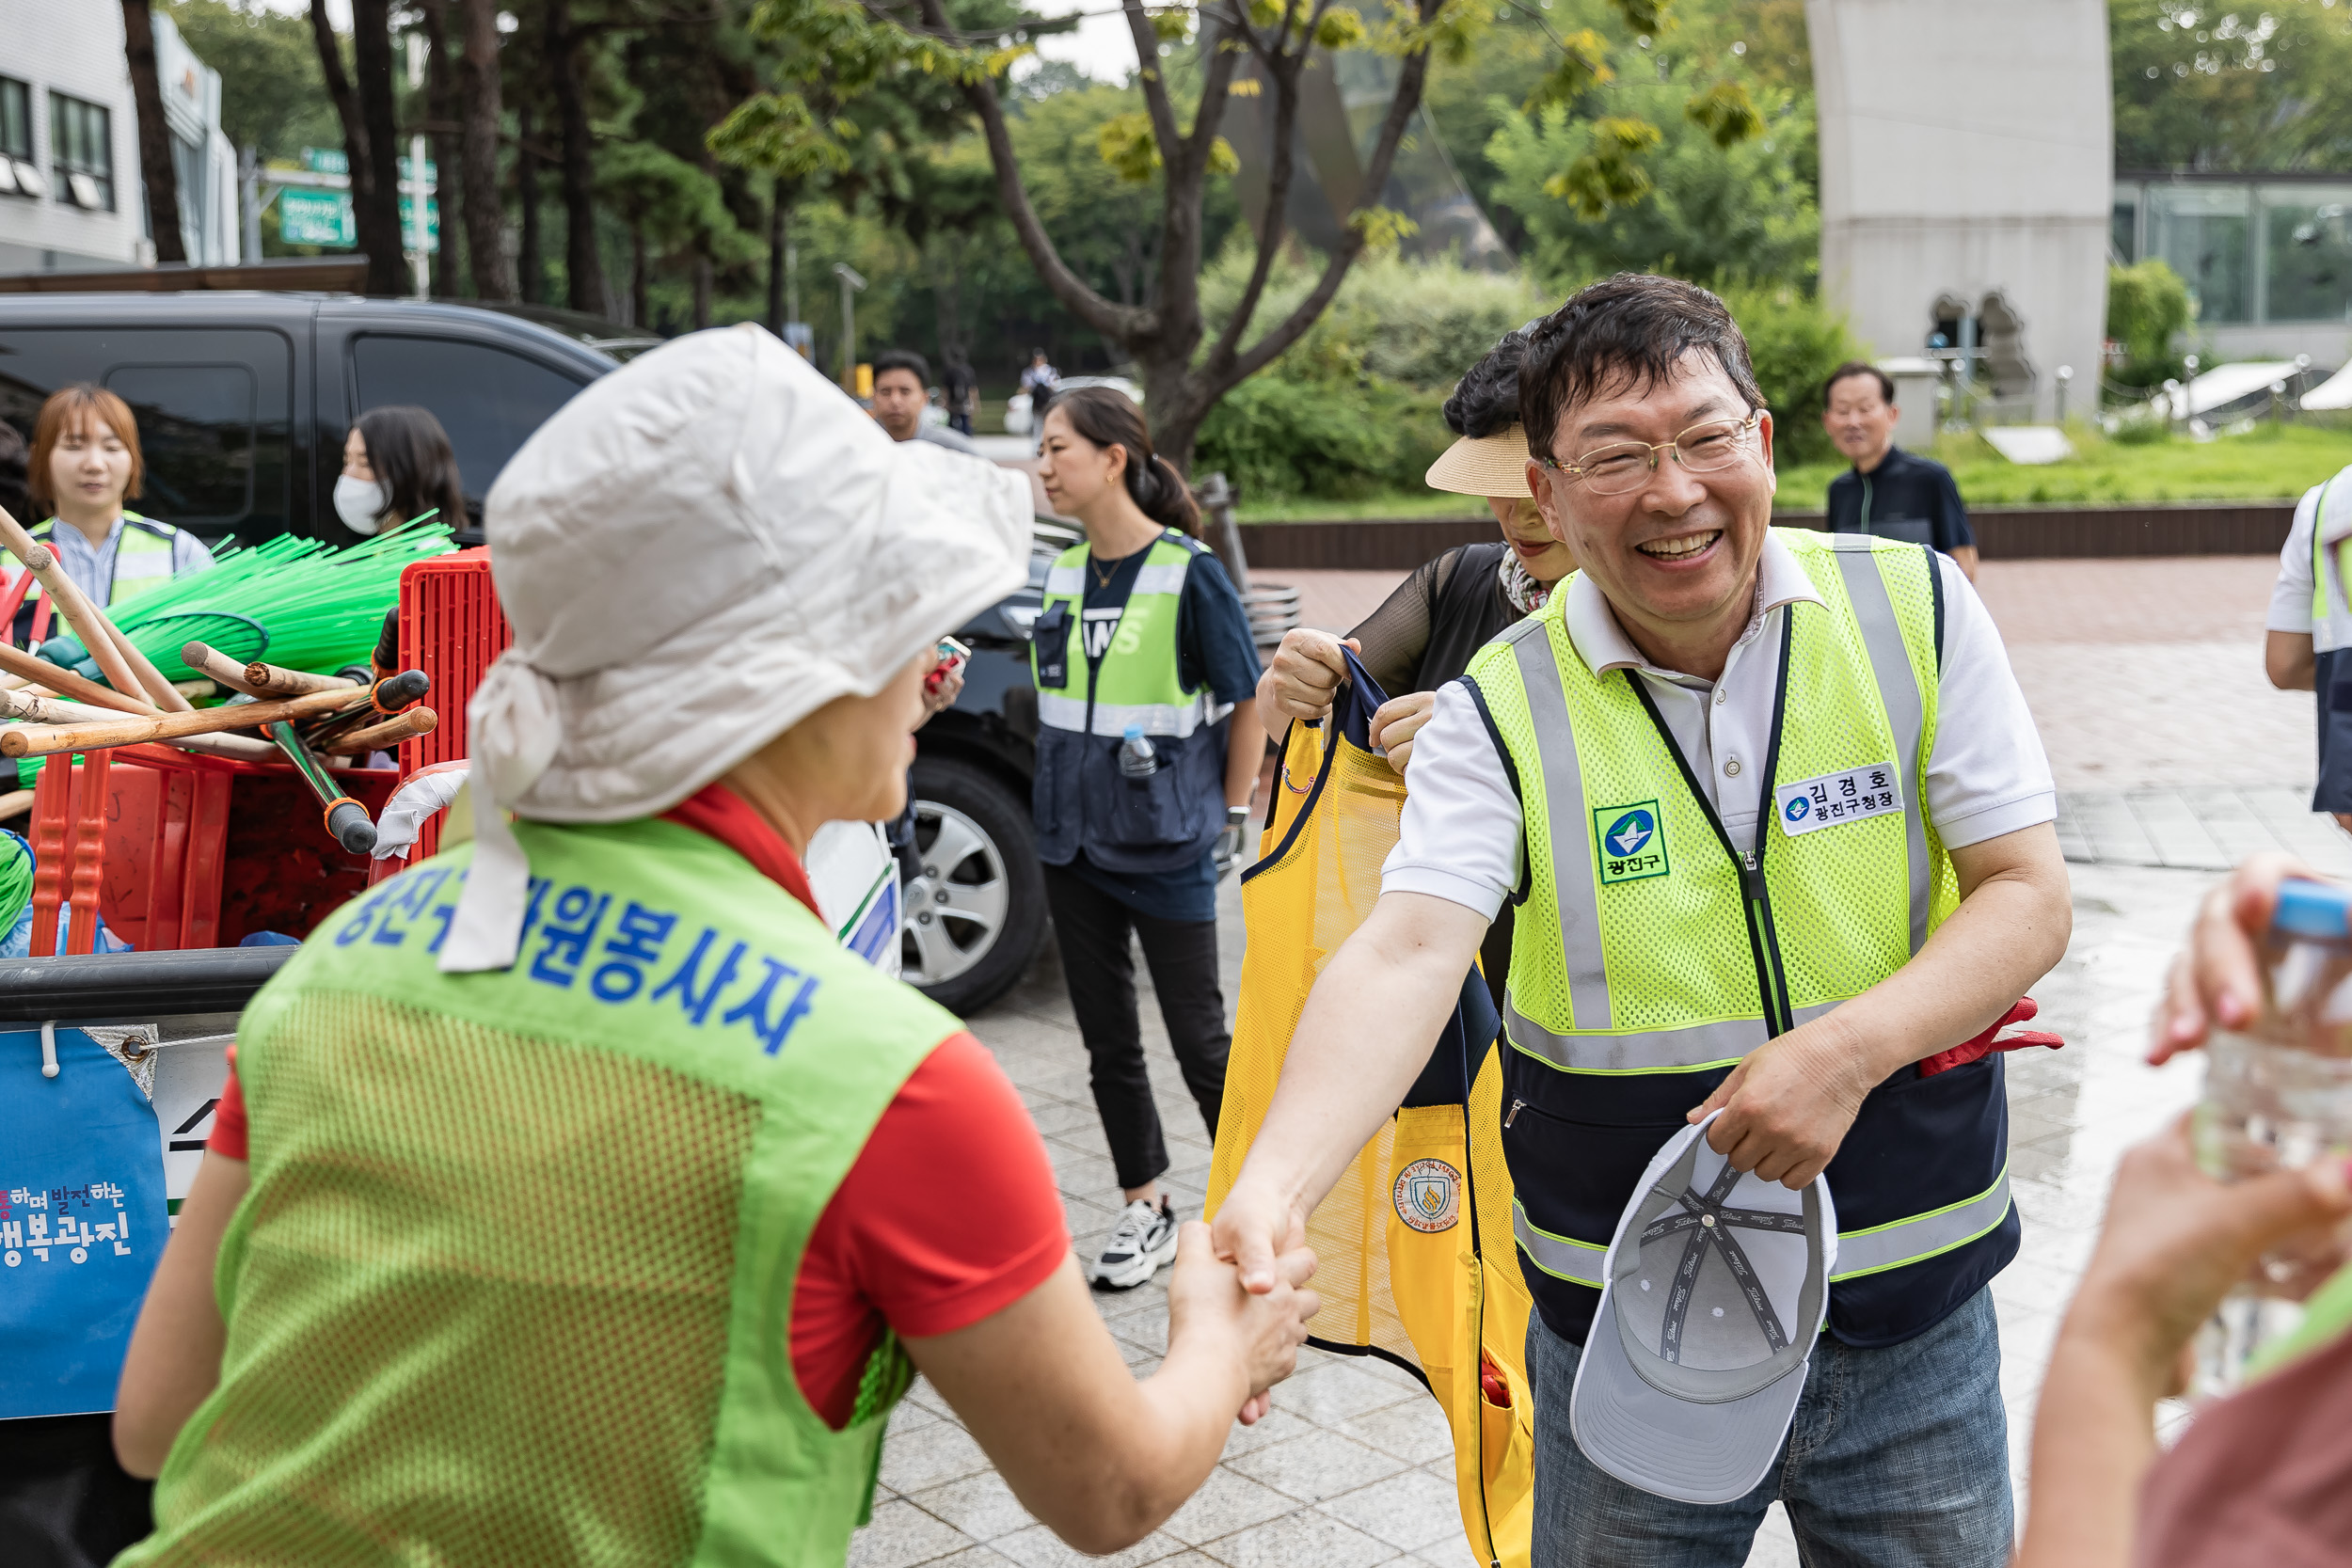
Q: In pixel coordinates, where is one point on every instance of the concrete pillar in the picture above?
(1966, 149)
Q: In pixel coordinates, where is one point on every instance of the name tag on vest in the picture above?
(1835, 798)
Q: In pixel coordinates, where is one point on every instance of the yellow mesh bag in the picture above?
(1413, 1243)
(519, 1251)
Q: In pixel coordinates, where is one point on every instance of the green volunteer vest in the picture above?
(1137, 680)
(1647, 949)
(142, 558)
(513, 1281)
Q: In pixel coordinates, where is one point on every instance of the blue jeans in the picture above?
(1898, 1458)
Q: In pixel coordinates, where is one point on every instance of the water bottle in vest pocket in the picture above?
(1148, 809)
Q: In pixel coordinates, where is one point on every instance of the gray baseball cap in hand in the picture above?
(1715, 1287)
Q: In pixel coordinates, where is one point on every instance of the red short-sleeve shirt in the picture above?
(949, 1213)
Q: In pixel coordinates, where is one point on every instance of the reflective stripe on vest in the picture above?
(1561, 1257)
(1137, 681)
(2331, 568)
(1922, 1236)
(1859, 1252)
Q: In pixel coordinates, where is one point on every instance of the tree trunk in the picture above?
(376, 181)
(947, 297)
(639, 313)
(533, 264)
(156, 171)
(1179, 400)
(441, 105)
(486, 213)
(702, 291)
(583, 266)
(775, 267)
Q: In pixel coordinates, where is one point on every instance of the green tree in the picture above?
(271, 97)
(1715, 214)
(2205, 87)
(1261, 48)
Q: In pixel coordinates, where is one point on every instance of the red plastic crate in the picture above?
(189, 852)
(452, 628)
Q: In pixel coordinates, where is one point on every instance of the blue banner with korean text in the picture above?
(82, 1222)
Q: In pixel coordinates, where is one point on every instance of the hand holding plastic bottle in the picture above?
(2270, 964)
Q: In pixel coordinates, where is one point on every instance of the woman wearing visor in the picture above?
(1424, 634)
(576, 1198)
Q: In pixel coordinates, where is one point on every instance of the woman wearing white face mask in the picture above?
(398, 465)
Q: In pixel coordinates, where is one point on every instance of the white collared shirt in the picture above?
(1461, 836)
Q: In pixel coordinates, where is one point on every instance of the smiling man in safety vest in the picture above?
(1778, 827)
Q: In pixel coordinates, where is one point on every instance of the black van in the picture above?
(244, 399)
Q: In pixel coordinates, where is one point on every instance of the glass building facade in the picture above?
(2254, 251)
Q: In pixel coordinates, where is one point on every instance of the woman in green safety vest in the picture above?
(85, 463)
(576, 1198)
(1147, 749)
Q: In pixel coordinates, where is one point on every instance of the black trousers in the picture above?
(1093, 928)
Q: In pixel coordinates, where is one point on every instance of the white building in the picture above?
(71, 198)
(1968, 150)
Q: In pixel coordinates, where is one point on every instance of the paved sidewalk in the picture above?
(1353, 1469)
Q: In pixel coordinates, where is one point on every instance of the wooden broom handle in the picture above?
(126, 667)
(65, 683)
(404, 725)
(270, 680)
(36, 740)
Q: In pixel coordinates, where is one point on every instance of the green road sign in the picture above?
(325, 160)
(315, 217)
(324, 219)
(432, 224)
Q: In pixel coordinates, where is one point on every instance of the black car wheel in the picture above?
(976, 913)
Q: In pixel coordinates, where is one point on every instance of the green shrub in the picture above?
(2147, 309)
(1280, 438)
(1420, 323)
(1795, 342)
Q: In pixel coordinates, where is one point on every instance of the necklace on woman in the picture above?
(1101, 578)
(1525, 593)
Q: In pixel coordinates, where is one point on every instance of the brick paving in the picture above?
(1353, 1469)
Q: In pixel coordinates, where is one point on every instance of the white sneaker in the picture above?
(1144, 1239)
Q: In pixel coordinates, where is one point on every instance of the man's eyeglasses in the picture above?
(1623, 466)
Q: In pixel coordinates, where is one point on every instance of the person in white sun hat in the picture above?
(586, 1202)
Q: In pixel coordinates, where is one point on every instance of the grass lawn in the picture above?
(2269, 462)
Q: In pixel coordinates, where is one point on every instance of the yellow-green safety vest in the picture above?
(1651, 953)
(142, 558)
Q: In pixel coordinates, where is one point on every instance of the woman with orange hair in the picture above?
(85, 463)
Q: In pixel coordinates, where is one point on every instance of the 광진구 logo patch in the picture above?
(1429, 1196)
(1630, 841)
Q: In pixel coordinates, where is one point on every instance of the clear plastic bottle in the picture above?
(1136, 760)
(2279, 1097)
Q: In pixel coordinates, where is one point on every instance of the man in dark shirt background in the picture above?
(1888, 491)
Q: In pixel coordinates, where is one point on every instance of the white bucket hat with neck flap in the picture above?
(696, 553)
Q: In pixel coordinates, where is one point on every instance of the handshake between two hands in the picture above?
(1257, 1327)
